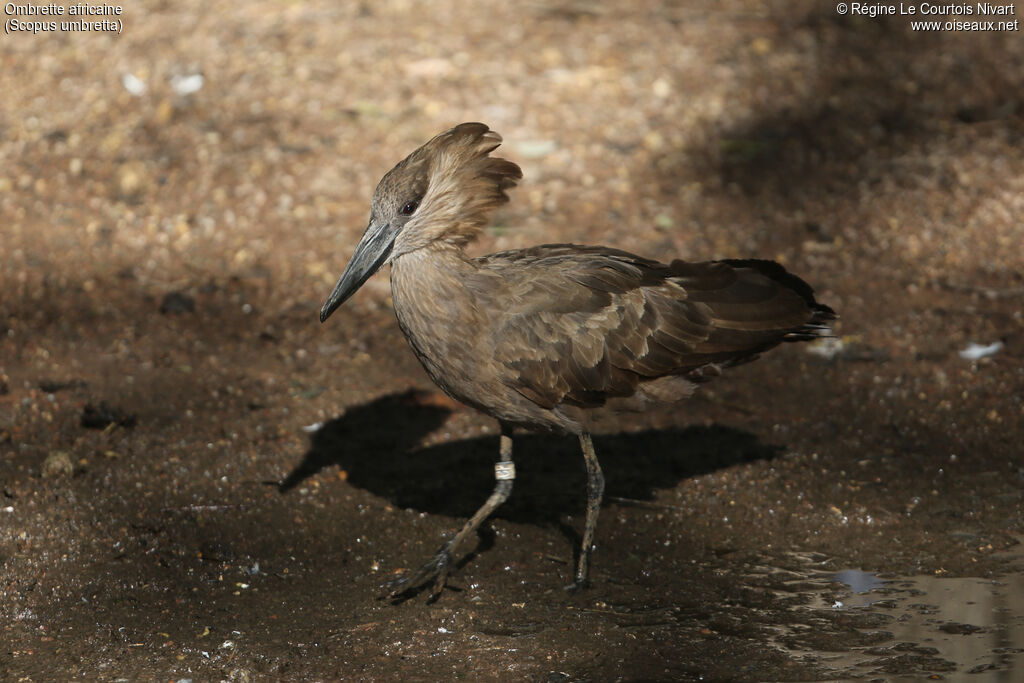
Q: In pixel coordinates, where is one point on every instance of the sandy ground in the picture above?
(170, 512)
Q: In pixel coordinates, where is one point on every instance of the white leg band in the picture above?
(504, 471)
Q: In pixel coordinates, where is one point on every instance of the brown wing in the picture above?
(583, 324)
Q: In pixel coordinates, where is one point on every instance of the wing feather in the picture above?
(579, 325)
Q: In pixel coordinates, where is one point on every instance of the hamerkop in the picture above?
(541, 337)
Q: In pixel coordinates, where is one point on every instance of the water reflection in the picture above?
(855, 624)
(859, 582)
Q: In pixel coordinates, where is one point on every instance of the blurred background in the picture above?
(176, 201)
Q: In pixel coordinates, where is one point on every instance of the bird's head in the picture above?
(443, 192)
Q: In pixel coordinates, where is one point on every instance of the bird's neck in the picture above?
(438, 263)
(429, 288)
(440, 314)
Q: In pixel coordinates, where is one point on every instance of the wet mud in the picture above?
(200, 482)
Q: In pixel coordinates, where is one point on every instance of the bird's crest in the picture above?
(461, 185)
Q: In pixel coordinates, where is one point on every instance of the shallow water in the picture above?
(859, 625)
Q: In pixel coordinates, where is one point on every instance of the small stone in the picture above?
(535, 149)
(187, 85)
(133, 84)
(654, 141)
(102, 416)
(132, 180)
(175, 303)
(57, 464)
(429, 68)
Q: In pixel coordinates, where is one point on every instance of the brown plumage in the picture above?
(542, 337)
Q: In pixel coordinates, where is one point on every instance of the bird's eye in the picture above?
(410, 208)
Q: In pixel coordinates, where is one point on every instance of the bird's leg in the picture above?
(595, 491)
(437, 569)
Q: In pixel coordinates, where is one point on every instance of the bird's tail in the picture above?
(821, 315)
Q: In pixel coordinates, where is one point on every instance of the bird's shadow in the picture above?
(377, 446)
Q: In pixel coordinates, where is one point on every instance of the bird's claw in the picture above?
(435, 571)
(577, 585)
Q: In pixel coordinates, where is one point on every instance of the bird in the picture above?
(548, 337)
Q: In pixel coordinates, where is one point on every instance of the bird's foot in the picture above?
(411, 583)
(578, 585)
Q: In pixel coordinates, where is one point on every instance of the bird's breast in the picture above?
(442, 320)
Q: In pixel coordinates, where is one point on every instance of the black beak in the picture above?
(371, 253)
